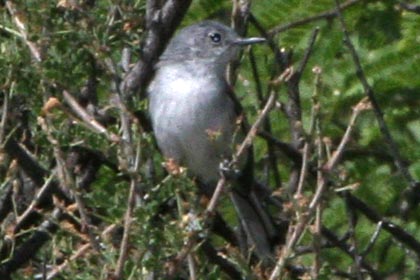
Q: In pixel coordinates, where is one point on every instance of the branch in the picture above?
(67, 181)
(217, 258)
(395, 230)
(332, 13)
(78, 254)
(87, 118)
(294, 110)
(30, 247)
(284, 147)
(174, 265)
(409, 7)
(161, 24)
(412, 196)
(4, 112)
(321, 188)
(23, 31)
(123, 254)
(272, 159)
(34, 170)
(332, 238)
(240, 15)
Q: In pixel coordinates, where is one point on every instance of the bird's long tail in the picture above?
(256, 223)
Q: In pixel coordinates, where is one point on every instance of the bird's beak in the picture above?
(249, 41)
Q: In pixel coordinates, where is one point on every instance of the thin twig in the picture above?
(247, 142)
(68, 182)
(316, 130)
(4, 117)
(294, 109)
(278, 55)
(397, 232)
(28, 248)
(240, 14)
(409, 7)
(23, 31)
(304, 219)
(346, 248)
(303, 170)
(128, 219)
(333, 161)
(192, 218)
(313, 124)
(192, 267)
(286, 148)
(393, 147)
(352, 221)
(267, 124)
(79, 253)
(87, 118)
(211, 207)
(307, 55)
(316, 241)
(373, 239)
(130, 160)
(364, 104)
(254, 128)
(39, 195)
(324, 15)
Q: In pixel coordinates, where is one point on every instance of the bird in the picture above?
(194, 116)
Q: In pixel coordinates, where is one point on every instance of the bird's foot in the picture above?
(228, 170)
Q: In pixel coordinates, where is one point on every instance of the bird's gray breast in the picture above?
(193, 118)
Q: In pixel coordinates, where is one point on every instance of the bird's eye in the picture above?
(215, 37)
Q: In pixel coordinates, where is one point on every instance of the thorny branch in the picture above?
(23, 31)
(67, 181)
(55, 271)
(128, 218)
(307, 215)
(161, 21)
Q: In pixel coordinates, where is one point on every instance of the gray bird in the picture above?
(194, 118)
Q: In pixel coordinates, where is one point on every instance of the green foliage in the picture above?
(76, 42)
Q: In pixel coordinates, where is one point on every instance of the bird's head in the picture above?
(207, 41)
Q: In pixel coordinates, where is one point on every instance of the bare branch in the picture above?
(30, 247)
(34, 203)
(23, 31)
(398, 232)
(332, 13)
(128, 219)
(409, 7)
(67, 181)
(307, 216)
(4, 114)
(89, 120)
(411, 195)
(240, 14)
(373, 239)
(55, 271)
